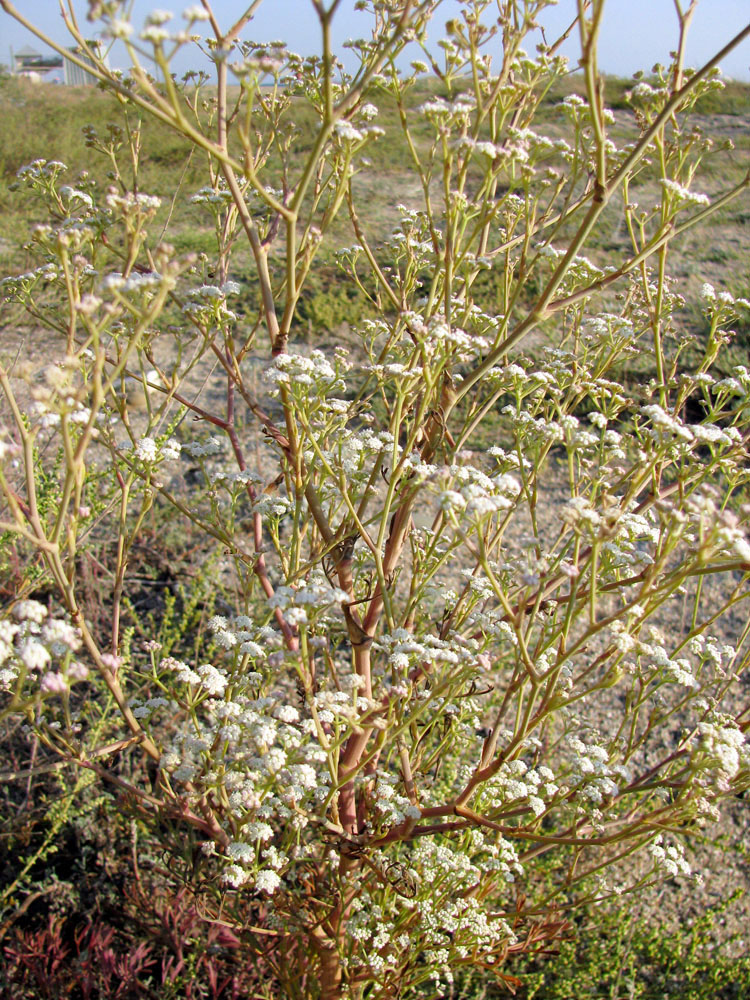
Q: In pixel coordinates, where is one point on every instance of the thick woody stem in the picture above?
(331, 973)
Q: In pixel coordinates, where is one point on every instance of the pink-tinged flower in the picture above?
(112, 662)
(54, 683)
(78, 671)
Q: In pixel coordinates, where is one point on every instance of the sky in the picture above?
(635, 35)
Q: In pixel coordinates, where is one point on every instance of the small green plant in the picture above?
(621, 953)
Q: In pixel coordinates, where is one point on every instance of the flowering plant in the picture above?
(476, 601)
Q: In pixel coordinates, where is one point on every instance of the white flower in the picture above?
(235, 876)
(537, 805)
(252, 649)
(347, 132)
(287, 713)
(88, 304)
(225, 639)
(171, 449)
(267, 881)
(118, 28)
(58, 632)
(436, 106)
(304, 775)
(159, 16)
(70, 194)
(741, 548)
(33, 654)
(8, 676)
(258, 831)
(488, 148)
(451, 500)
(723, 744)
(690, 197)
(212, 679)
(154, 35)
(195, 13)
(295, 616)
(185, 772)
(274, 760)
(241, 852)
(31, 611)
(146, 450)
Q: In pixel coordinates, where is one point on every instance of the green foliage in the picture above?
(179, 624)
(330, 300)
(629, 951)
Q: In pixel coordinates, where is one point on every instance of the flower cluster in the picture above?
(515, 783)
(592, 775)
(150, 452)
(725, 749)
(684, 195)
(437, 917)
(256, 750)
(478, 494)
(37, 648)
(299, 603)
(668, 859)
(297, 370)
(207, 306)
